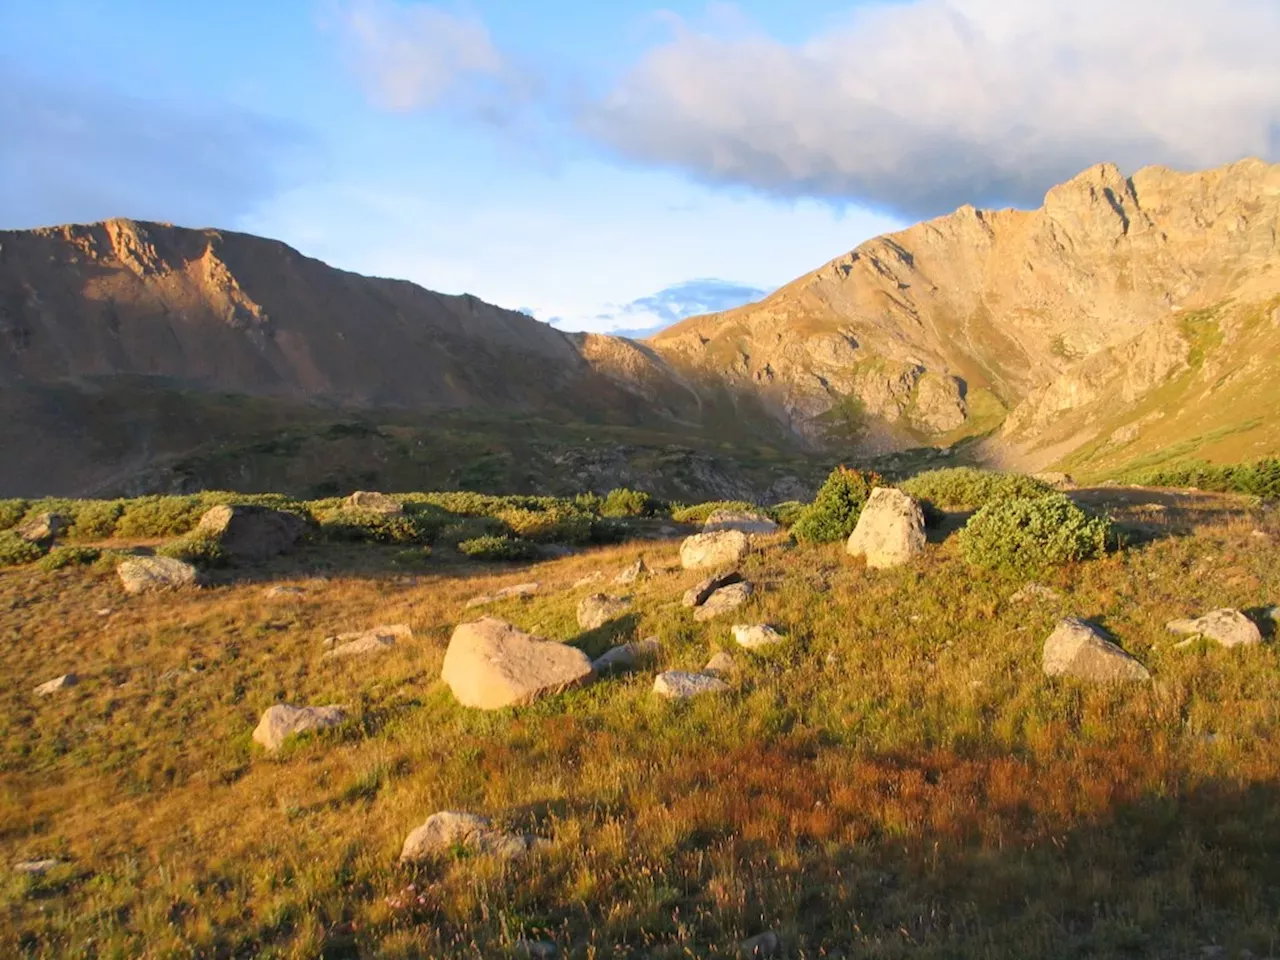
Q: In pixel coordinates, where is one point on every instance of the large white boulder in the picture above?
(490, 665)
(449, 830)
(721, 548)
(1077, 648)
(890, 530)
(147, 574)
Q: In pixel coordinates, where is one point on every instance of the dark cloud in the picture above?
(76, 154)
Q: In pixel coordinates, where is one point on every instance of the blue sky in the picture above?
(607, 165)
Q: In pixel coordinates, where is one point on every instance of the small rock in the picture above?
(147, 574)
(251, 532)
(535, 949)
(697, 595)
(283, 592)
(890, 530)
(679, 685)
(1229, 627)
(56, 684)
(761, 945)
(282, 721)
(374, 640)
(1260, 535)
(744, 521)
(589, 579)
(722, 548)
(756, 636)
(104, 612)
(490, 665)
(479, 601)
(628, 656)
(596, 610)
(522, 590)
(374, 503)
(637, 571)
(43, 527)
(721, 665)
(443, 833)
(36, 868)
(1035, 591)
(1077, 648)
(724, 600)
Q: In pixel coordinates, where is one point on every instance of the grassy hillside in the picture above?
(898, 779)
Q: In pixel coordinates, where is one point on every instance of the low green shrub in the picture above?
(160, 516)
(412, 557)
(11, 511)
(697, 513)
(16, 552)
(200, 549)
(60, 557)
(789, 511)
(1260, 478)
(498, 549)
(967, 488)
(558, 524)
(1025, 535)
(835, 511)
(371, 527)
(471, 528)
(622, 502)
(96, 519)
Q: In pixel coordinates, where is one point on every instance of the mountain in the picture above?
(1125, 320)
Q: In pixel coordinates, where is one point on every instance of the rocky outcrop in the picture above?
(697, 595)
(490, 664)
(150, 574)
(362, 642)
(282, 721)
(724, 600)
(250, 532)
(370, 502)
(722, 548)
(1226, 627)
(1081, 650)
(43, 528)
(448, 831)
(890, 530)
(596, 610)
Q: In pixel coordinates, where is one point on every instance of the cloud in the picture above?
(416, 56)
(645, 316)
(918, 107)
(83, 154)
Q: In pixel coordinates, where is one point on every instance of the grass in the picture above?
(898, 780)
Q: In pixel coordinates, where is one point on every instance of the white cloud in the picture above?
(647, 315)
(921, 106)
(411, 56)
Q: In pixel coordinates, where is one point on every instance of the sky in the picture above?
(608, 166)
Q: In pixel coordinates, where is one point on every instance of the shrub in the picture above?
(199, 549)
(835, 511)
(471, 528)
(1260, 478)
(11, 511)
(159, 516)
(622, 502)
(15, 552)
(1025, 535)
(96, 519)
(412, 557)
(788, 512)
(559, 524)
(498, 549)
(60, 557)
(698, 512)
(966, 488)
(370, 526)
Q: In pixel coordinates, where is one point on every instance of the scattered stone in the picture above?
(283, 592)
(479, 601)
(281, 721)
(589, 579)
(1229, 627)
(744, 521)
(374, 640)
(147, 574)
(1059, 481)
(104, 611)
(251, 532)
(535, 949)
(374, 503)
(37, 868)
(1260, 535)
(721, 665)
(722, 548)
(756, 636)
(723, 601)
(637, 571)
(1077, 648)
(490, 665)
(521, 590)
(890, 530)
(447, 831)
(596, 610)
(697, 595)
(628, 656)
(56, 684)
(1035, 591)
(761, 945)
(43, 527)
(679, 685)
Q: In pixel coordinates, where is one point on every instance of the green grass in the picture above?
(898, 780)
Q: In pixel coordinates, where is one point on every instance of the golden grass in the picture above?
(898, 780)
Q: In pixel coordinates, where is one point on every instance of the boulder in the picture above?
(43, 527)
(1079, 649)
(756, 636)
(628, 656)
(723, 601)
(890, 530)
(490, 665)
(147, 574)
(56, 684)
(637, 571)
(744, 521)
(679, 685)
(373, 640)
(370, 502)
(722, 548)
(282, 721)
(596, 610)
(721, 665)
(250, 532)
(1228, 627)
(448, 831)
(697, 595)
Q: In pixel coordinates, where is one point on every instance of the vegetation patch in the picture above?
(1259, 478)
(497, 549)
(1025, 536)
(203, 550)
(60, 557)
(968, 488)
(835, 511)
(698, 513)
(15, 551)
